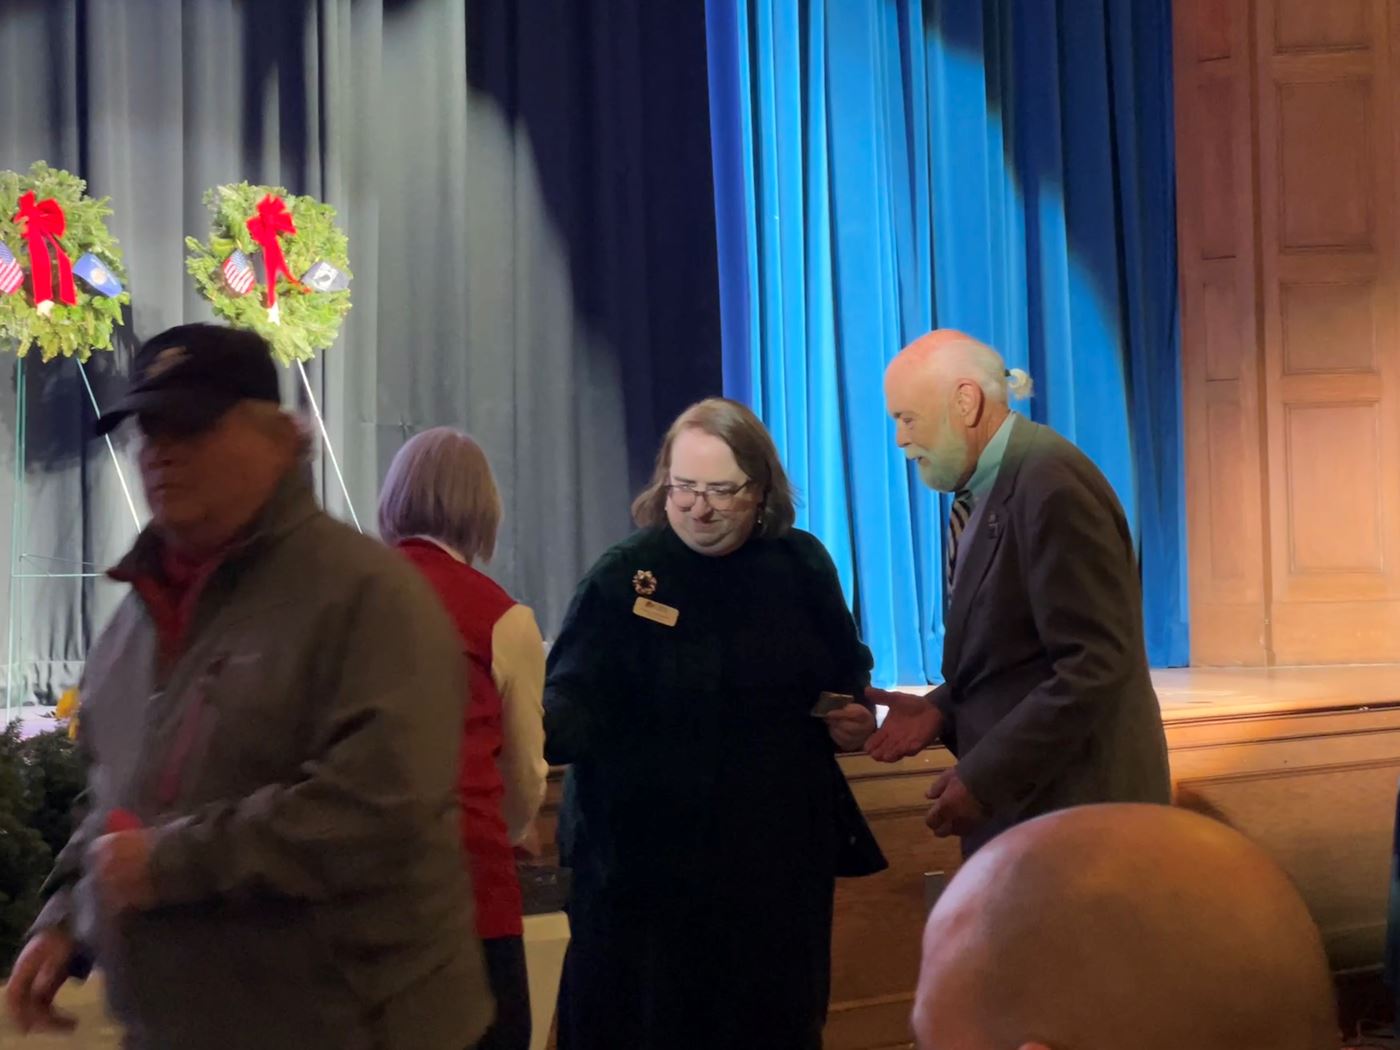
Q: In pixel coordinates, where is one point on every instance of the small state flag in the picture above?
(91, 270)
(238, 273)
(323, 277)
(11, 276)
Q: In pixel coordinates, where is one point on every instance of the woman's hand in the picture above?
(850, 726)
(529, 848)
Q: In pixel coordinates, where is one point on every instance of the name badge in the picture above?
(656, 612)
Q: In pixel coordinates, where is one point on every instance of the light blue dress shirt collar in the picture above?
(989, 463)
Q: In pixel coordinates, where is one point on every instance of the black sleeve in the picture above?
(578, 703)
(838, 626)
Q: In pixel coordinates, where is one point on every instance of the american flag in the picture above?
(238, 273)
(11, 276)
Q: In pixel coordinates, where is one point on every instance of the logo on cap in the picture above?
(165, 361)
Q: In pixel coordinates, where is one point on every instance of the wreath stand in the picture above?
(26, 566)
(289, 234)
(48, 221)
(326, 444)
(294, 234)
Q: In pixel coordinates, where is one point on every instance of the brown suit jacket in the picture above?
(1047, 695)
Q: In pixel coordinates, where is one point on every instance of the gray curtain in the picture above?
(502, 170)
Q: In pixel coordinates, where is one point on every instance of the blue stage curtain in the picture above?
(884, 167)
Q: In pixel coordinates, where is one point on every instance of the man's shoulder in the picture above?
(1055, 475)
(1051, 461)
(342, 545)
(116, 639)
(329, 557)
(1049, 448)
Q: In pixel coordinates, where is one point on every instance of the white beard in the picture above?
(938, 470)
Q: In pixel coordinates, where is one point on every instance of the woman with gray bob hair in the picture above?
(440, 507)
(440, 485)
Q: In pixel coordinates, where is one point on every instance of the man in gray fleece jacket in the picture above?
(269, 854)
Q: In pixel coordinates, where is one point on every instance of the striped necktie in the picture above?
(957, 521)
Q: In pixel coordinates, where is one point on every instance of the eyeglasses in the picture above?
(719, 497)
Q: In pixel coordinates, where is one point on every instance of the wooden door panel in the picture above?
(1287, 148)
(1328, 326)
(1227, 358)
(1220, 332)
(1327, 286)
(1215, 118)
(1207, 30)
(1333, 517)
(1320, 24)
(1324, 145)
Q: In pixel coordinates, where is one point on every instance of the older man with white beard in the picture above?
(1046, 701)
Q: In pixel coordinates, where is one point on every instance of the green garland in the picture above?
(309, 320)
(67, 331)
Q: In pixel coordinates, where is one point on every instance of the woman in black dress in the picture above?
(705, 818)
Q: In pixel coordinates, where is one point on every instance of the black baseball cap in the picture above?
(194, 373)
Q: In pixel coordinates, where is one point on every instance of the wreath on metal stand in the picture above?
(278, 264)
(62, 289)
(50, 232)
(288, 245)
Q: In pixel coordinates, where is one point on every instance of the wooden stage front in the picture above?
(1304, 760)
(1232, 692)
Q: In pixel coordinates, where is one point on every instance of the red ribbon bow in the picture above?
(42, 223)
(272, 219)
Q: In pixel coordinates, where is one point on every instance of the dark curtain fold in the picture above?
(526, 188)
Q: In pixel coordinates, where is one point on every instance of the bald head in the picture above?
(949, 355)
(1117, 926)
(947, 394)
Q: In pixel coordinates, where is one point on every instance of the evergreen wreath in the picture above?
(61, 330)
(305, 320)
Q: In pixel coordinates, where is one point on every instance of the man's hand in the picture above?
(954, 811)
(39, 972)
(850, 726)
(120, 865)
(912, 724)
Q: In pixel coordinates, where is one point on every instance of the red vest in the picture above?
(476, 603)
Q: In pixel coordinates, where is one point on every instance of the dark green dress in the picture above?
(705, 818)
